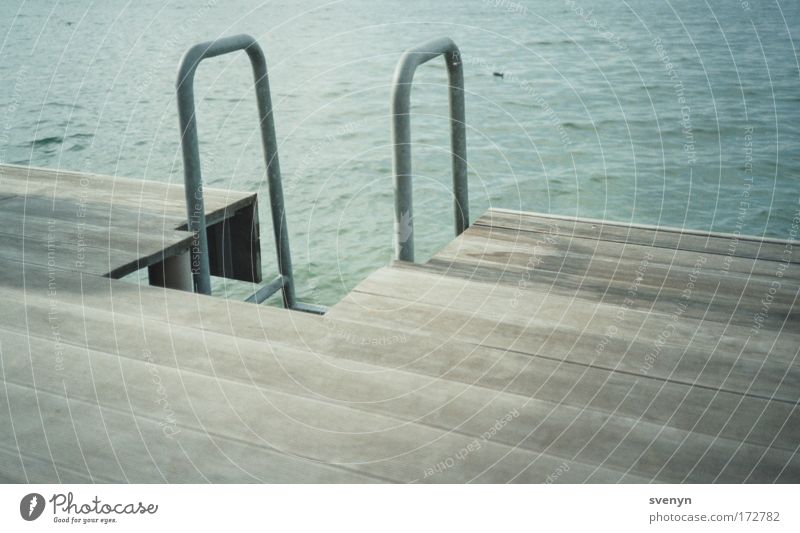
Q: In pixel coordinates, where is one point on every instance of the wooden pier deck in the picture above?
(530, 349)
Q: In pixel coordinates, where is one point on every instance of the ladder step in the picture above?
(266, 291)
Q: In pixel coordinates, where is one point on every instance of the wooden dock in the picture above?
(530, 349)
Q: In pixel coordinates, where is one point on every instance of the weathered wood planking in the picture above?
(356, 390)
(766, 248)
(115, 226)
(448, 359)
(149, 197)
(444, 372)
(683, 309)
(436, 402)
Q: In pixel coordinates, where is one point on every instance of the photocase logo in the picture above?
(31, 506)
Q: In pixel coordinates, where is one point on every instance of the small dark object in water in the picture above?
(498, 74)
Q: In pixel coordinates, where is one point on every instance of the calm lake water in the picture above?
(678, 112)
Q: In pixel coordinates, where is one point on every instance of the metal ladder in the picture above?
(401, 138)
(195, 205)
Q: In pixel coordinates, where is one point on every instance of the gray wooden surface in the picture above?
(98, 224)
(449, 371)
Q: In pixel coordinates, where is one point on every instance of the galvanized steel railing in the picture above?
(193, 177)
(401, 134)
(401, 137)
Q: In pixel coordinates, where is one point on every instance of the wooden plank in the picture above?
(137, 216)
(111, 444)
(673, 472)
(534, 306)
(80, 231)
(395, 394)
(19, 467)
(610, 272)
(81, 246)
(539, 426)
(115, 261)
(553, 326)
(165, 199)
(566, 384)
(398, 394)
(111, 218)
(504, 248)
(449, 357)
(763, 306)
(688, 405)
(631, 277)
(222, 408)
(64, 256)
(670, 238)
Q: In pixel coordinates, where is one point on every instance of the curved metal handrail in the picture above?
(191, 162)
(401, 138)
